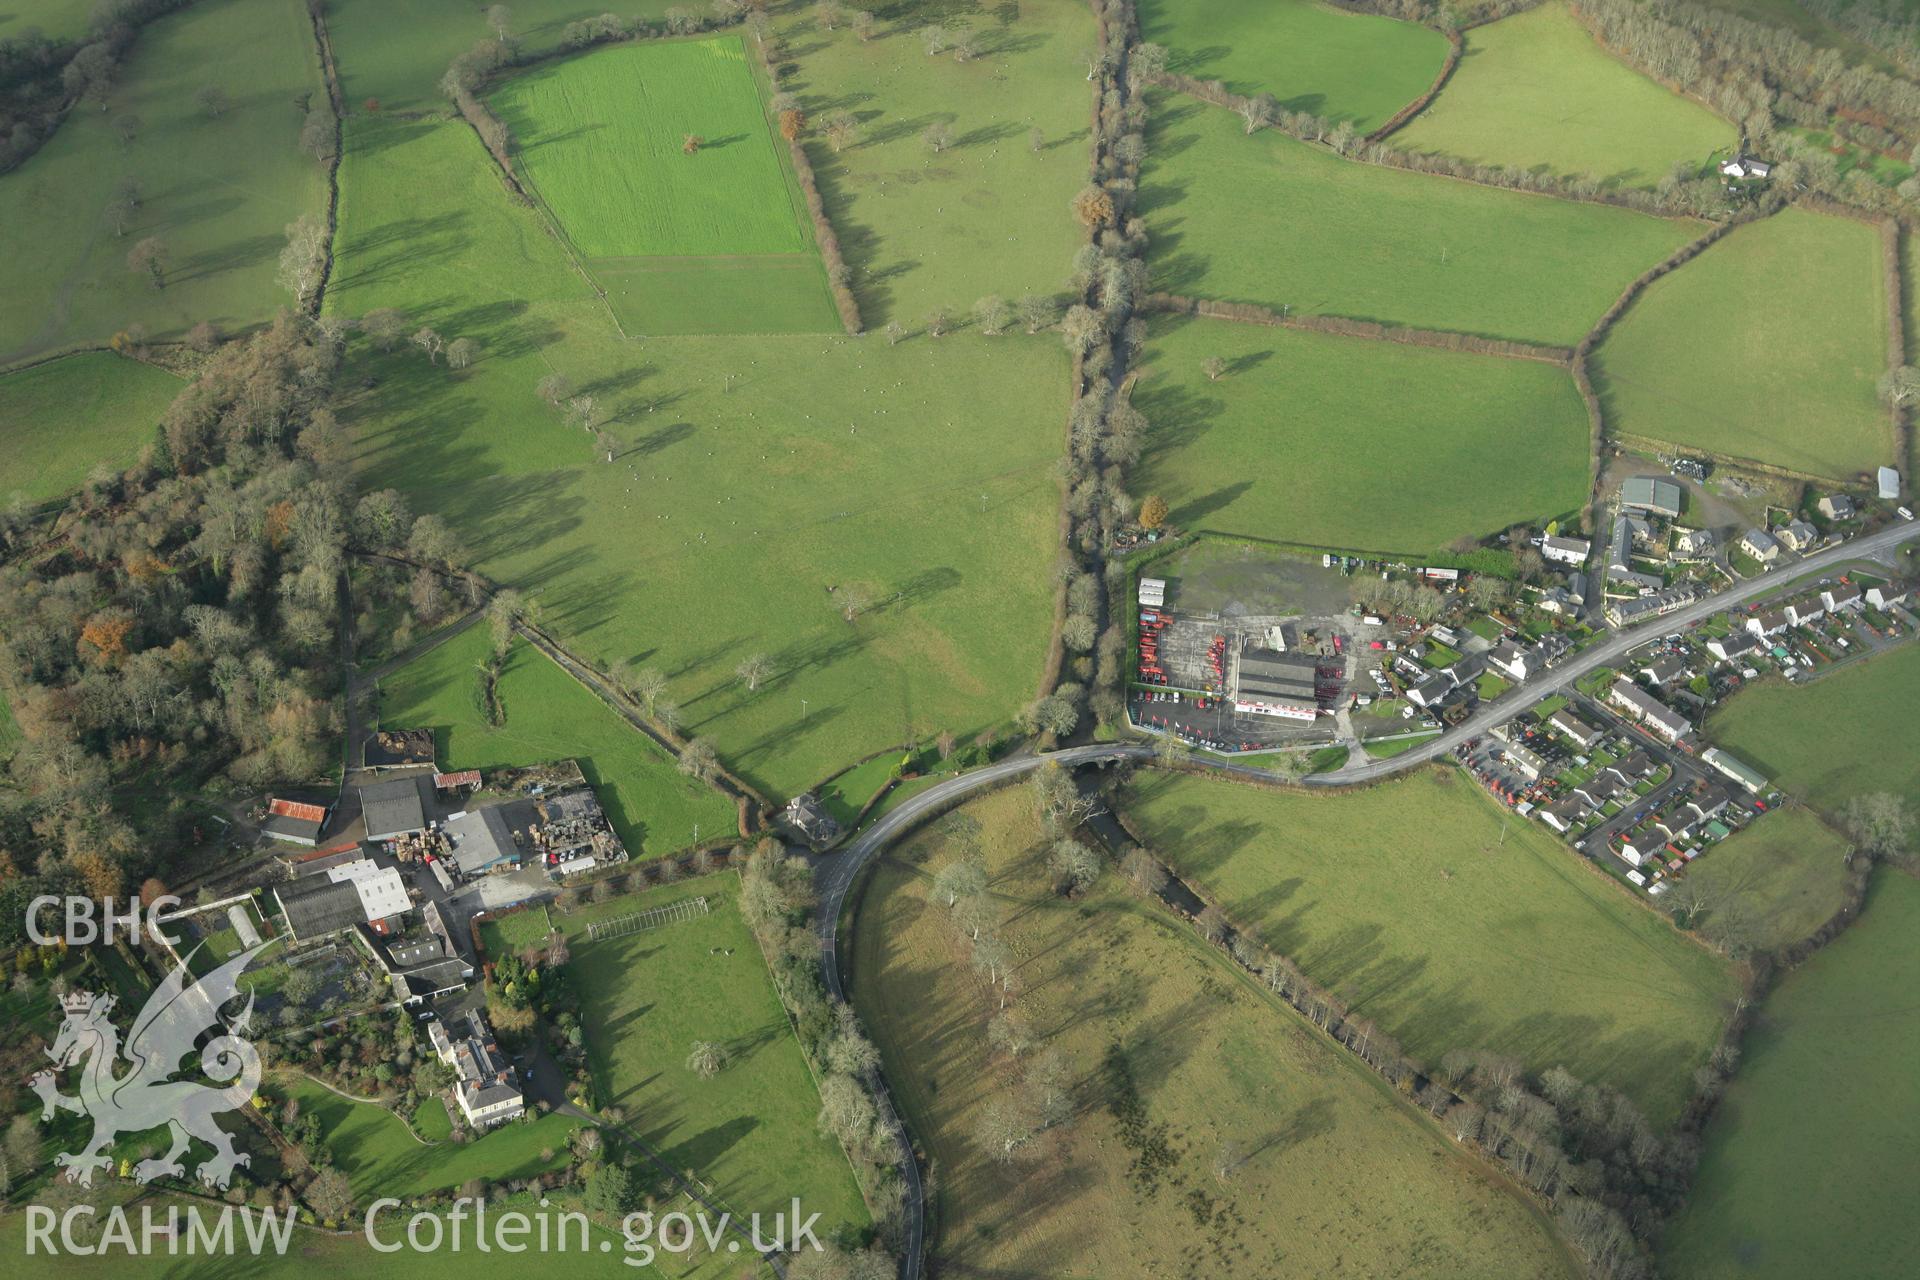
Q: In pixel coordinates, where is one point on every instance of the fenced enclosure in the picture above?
(641, 921)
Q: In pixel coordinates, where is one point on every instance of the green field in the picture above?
(393, 52)
(1310, 56)
(1807, 1164)
(218, 192)
(551, 716)
(1785, 872)
(381, 1157)
(1335, 1174)
(1344, 442)
(1536, 91)
(645, 998)
(714, 242)
(1270, 220)
(1828, 742)
(60, 419)
(55, 19)
(1792, 304)
(985, 216)
(1452, 927)
(751, 475)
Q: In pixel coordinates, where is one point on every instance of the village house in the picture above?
(1509, 659)
(1575, 730)
(1564, 814)
(1648, 710)
(1770, 623)
(1886, 597)
(1598, 791)
(1709, 804)
(1800, 613)
(1799, 536)
(1694, 544)
(487, 1088)
(1761, 545)
(1666, 670)
(1842, 599)
(1642, 843)
(1625, 612)
(1635, 766)
(1732, 646)
(1430, 692)
(1838, 506)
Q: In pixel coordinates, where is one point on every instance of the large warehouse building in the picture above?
(1269, 683)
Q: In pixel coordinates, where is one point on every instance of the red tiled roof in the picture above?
(465, 778)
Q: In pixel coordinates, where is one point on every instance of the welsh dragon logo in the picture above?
(166, 1032)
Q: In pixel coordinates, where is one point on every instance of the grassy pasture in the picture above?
(1267, 219)
(600, 139)
(61, 418)
(985, 216)
(647, 997)
(218, 192)
(1339, 1175)
(54, 19)
(715, 242)
(1784, 870)
(1829, 741)
(1536, 91)
(1807, 1161)
(751, 475)
(395, 51)
(1451, 927)
(550, 716)
(1791, 305)
(1310, 56)
(1343, 442)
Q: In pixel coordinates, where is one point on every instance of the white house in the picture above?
(1844, 598)
(1564, 550)
(1729, 647)
(488, 1089)
(1801, 612)
(1770, 623)
(1886, 597)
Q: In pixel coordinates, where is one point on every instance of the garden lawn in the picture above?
(987, 215)
(60, 419)
(1344, 442)
(1793, 304)
(1335, 1174)
(1786, 872)
(381, 1157)
(1835, 738)
(218, 192)
(1311, 57)
(1536, 91)
(552, 716)
(713, 242)
(1452, 925)
(754, 480)
(1266, 219)
(1826, 1089)
(750, 1131)
(847, 793)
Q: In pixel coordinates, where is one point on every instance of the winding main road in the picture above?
(836, 873)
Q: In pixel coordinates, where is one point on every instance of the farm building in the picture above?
(1799, 535)
(1740, 771)
(1649, 710)
(1574, 729)
(295, 821)
(1838, 506)
(1760, 544)
(482, 842)
(1648, 493)
(393, 808)
(354, 893)
(1564, 550)
(1153, 592)
(1269, 683)
(1889, 483)
(574, 834)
